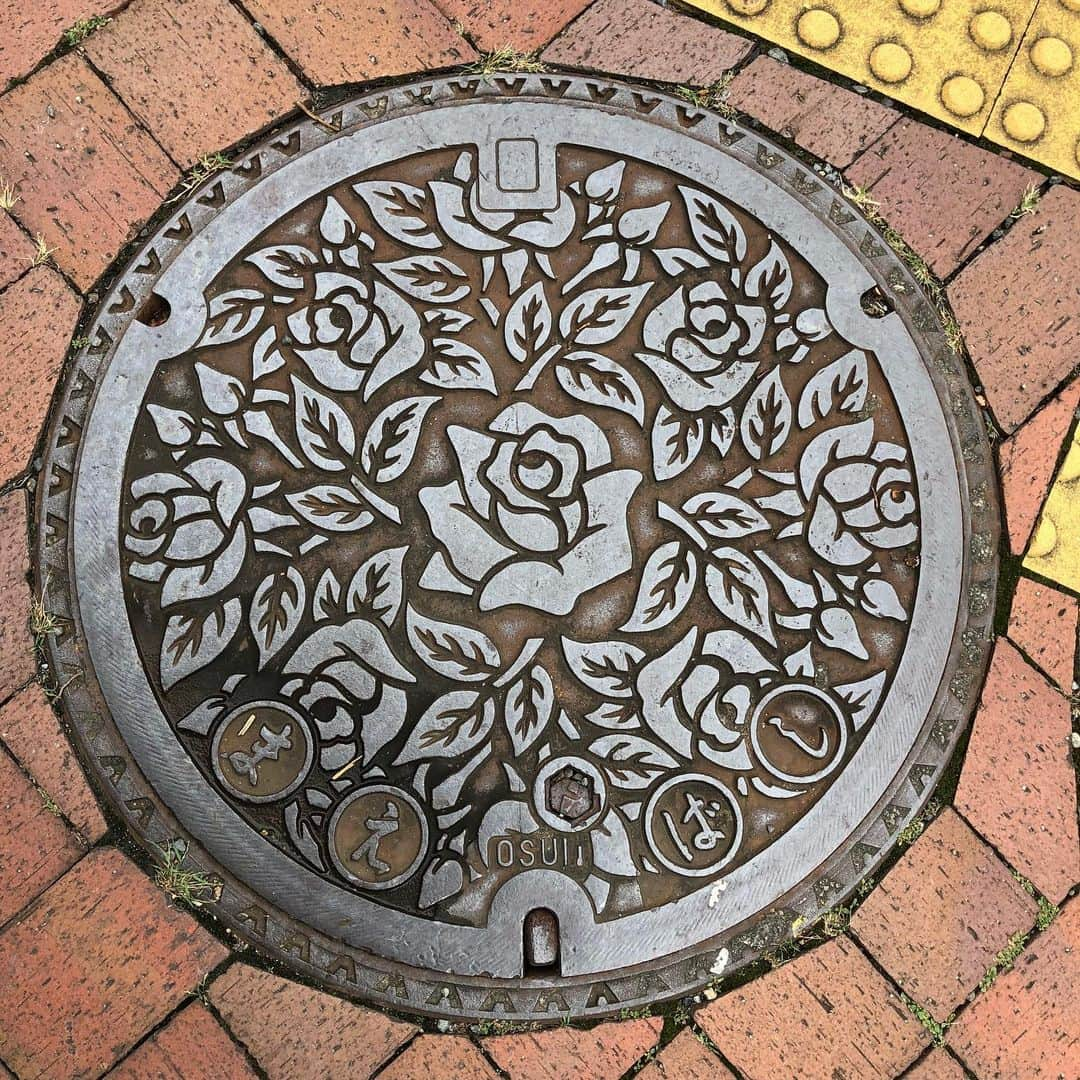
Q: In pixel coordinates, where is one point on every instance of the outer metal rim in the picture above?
(397, 984)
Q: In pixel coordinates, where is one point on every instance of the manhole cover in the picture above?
(531, 536)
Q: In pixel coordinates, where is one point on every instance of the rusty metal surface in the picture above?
(535, 573)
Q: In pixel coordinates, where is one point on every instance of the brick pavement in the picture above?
(100, 971)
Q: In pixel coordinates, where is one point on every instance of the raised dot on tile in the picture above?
(920, 9)
(990, 30)
(748, 7)
(818, 28)
(890, 62)
(1045, 539)
(1051, 56)
(962, 96)
(1023, 121)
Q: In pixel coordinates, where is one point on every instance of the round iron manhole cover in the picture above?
(530, 536)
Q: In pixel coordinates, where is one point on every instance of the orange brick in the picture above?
(1043, 623)
(36, 847)
(33, 734)
(942, 914)
(17, 663)
(643, 40)
(292, 1030)
(1018, 786)
(87, 174)
(603, 1052)
(1018, 305)
(195, 72)
(829, 121)
(16, 251)
(37, 317)
(684, 1058)
(521, 24)
(1028, 460)
(347, 40)
(826, 1014)
(98, 960)
(1026, 1024)
(937, 1065)
(942, 194)
(191, 1046)
(32, 31)
(433, 1056)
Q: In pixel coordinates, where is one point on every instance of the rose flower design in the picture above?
(697, 338)
(859, 494)
(355, 335)
(538, 517)
(192, 521)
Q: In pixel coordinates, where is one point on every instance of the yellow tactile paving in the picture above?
(1054, 549)
(948, 58)
(1038, 112)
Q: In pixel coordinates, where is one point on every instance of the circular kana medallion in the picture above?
(515, 497)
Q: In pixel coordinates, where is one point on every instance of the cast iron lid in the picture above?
(529, 537)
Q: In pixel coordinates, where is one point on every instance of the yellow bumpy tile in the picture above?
(1038, 112)
(948, 58)
(1054, 549)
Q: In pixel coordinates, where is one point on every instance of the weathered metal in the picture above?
(530, 535)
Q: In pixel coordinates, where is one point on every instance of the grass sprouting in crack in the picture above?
(506, 59)
(194, 887)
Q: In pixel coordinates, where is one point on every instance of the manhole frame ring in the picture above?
(384, 982)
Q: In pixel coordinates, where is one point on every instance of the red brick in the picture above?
(16, 251)
(943, 913)
(601, 1053)
(639, 38)
(522, 24)
(1043, 624)
(821, 117)
(684, 1058)
(36, 847)
(432, 1056)
(33, 733)
(1018, 305)
(95, 963)
(37, 316)
(1027, 1025)
(195, 72)
(1018, 787)
(347, 40)
(32, 31)
(191, 1046)
(1027, 463)
(17, 663)
(942, 194)
(826, 1014)
(292, 1030)
(937, 1065)
(87, 174)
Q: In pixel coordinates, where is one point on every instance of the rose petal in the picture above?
(521, 417)
(195, 540)
(696, 393)
(473, 551)
(833, 543)
(566, 453)
(529, 530)
(473, 449)
(850, 482)
(603, 555)
(893, 537)
(836, 444)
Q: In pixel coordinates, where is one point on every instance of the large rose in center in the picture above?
(538, 517)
